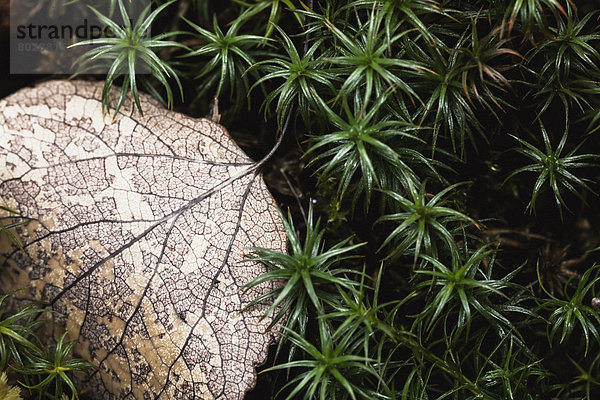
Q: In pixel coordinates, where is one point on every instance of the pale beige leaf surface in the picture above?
(135, 232)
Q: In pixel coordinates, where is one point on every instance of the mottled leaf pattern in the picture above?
(135, 232)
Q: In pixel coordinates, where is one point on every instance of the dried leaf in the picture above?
(135, 232)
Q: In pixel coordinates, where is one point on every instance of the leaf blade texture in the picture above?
(135, 229)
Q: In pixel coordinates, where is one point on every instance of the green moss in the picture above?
(8, 392)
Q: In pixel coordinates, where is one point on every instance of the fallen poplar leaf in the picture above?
(135, 232)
